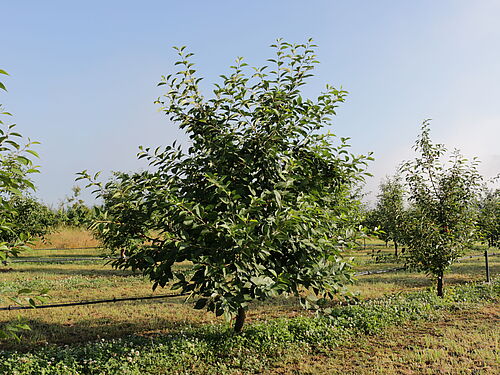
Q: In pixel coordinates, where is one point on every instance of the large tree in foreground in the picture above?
(442, 195)
(260, 201)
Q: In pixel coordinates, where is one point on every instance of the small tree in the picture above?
(389, 212)
(260, 202)
(29, 217)
(73, 212)
(441, 222)
(489, 218)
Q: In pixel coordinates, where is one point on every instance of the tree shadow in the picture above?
(405, 279)
(54, 257)
(88, 330)
(96, 272)
(475, 268)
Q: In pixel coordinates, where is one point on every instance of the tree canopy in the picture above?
(15, 167)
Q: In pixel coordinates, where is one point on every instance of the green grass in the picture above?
(164, 319)
(69, 282)
(267, 346)
(459, 342)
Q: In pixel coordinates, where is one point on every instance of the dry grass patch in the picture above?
(67, 238)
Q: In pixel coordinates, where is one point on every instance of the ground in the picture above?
(462, 342)
(459, 342)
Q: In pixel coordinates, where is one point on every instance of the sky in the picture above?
(83, 75)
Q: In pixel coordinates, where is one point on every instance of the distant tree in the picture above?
(73, 211)
(442, 197)
(489, 218)
(28, 217)
(366, 224)
(261, 202)
(389, 212)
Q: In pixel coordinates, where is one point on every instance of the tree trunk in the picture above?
(440, 285)
(240, 319)
(486, 263)
(395, 249)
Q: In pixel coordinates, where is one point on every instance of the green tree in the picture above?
(489, 218)
(441, 222)
(15, 168)
(260, 202)
(389, 212)
(28, 217)
(73, 212)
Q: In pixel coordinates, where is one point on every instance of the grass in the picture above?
(460, 342)
(163, 318)
(79, 281)
(285, 345)
(67, 238)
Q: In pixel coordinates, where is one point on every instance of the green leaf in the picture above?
(201, 303)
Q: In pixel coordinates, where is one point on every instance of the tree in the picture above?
(489, 218)
(389, 212)
(441, 222)
(15, 168)
(28, 217)
(73, 212)
(261, 200)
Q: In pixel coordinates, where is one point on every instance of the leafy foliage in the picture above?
(389, 213)
(489, 218)
(441, 222)
(15, 167)
(29, 217)
(260, 202)
(73, 212)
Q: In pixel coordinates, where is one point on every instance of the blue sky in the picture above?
(84, 74)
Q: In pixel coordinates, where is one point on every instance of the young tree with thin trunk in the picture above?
(442, 196)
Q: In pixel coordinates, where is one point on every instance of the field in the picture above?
(454, 341)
